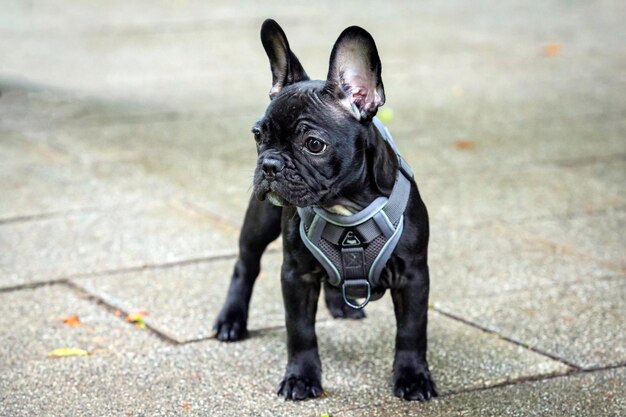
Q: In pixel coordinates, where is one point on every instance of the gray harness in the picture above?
(354, 249)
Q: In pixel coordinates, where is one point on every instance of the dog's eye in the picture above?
(257, 134)
(315, 145)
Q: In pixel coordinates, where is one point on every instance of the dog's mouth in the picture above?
(268, 189)
(276, 200)
(281, 195)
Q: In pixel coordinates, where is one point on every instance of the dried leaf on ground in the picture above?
(64, 352)
(552, 49)
(73, 320)
(137, 318)
(464, 144)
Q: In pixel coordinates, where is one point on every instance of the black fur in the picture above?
(355, 167)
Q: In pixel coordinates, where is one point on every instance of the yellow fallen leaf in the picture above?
(137, 318)
(63, 352)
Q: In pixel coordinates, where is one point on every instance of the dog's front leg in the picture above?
(411, 377)
(300, 294)
(260, 227)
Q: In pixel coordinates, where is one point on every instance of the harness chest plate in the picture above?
(354, 249)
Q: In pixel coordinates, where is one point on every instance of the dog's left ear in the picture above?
(354, 73)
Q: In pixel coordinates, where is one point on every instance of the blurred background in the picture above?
(125, 168)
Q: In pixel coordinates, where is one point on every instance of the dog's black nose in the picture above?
(272, 166)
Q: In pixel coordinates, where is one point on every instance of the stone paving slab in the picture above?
(90, 242)
(581, 323)
(31, 325)
(189, 154)
(487, 260)
(513, 195)
(41, 189)
(526, 218)
(595, 394)
(371, 341)
(16, 150)
(461, 144)
(596, 236)
(239, 378)
(27, 105)
(183, 301)
(609, 173)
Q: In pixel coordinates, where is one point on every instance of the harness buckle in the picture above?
(356, 283)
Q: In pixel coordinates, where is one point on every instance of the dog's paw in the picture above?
(299, 388)
(230, 325)
(415, 386)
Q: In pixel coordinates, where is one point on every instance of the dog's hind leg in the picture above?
(260, 227)
(337, 306)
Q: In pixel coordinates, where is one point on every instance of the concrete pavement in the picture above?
(125, 169)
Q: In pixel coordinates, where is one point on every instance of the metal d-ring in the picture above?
(354, 283)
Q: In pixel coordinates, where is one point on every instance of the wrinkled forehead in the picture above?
(304, 101)
(298, 96)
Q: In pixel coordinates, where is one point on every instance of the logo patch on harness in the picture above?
(350, 239)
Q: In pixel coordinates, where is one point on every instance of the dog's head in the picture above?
(316, 143)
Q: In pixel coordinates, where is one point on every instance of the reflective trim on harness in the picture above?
(354, 249)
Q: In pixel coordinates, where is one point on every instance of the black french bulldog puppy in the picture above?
(317, 146)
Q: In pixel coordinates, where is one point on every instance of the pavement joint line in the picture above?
(144, 267)
(551, 285)
(508, 339)
(570, 215)
(587, 160)
(567, 249)
(587, 118)
(112, 307)
(52, 214)
(106, 272)
(31, 285)
(505, 223)
(251, 333)
(503, 384)
(215, 219)
(534, 378)
(83, 293)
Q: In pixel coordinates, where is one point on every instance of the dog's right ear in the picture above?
(354, 73)
(286, 69)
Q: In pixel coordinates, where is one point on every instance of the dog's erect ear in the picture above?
(286, 69)
(355, 73)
